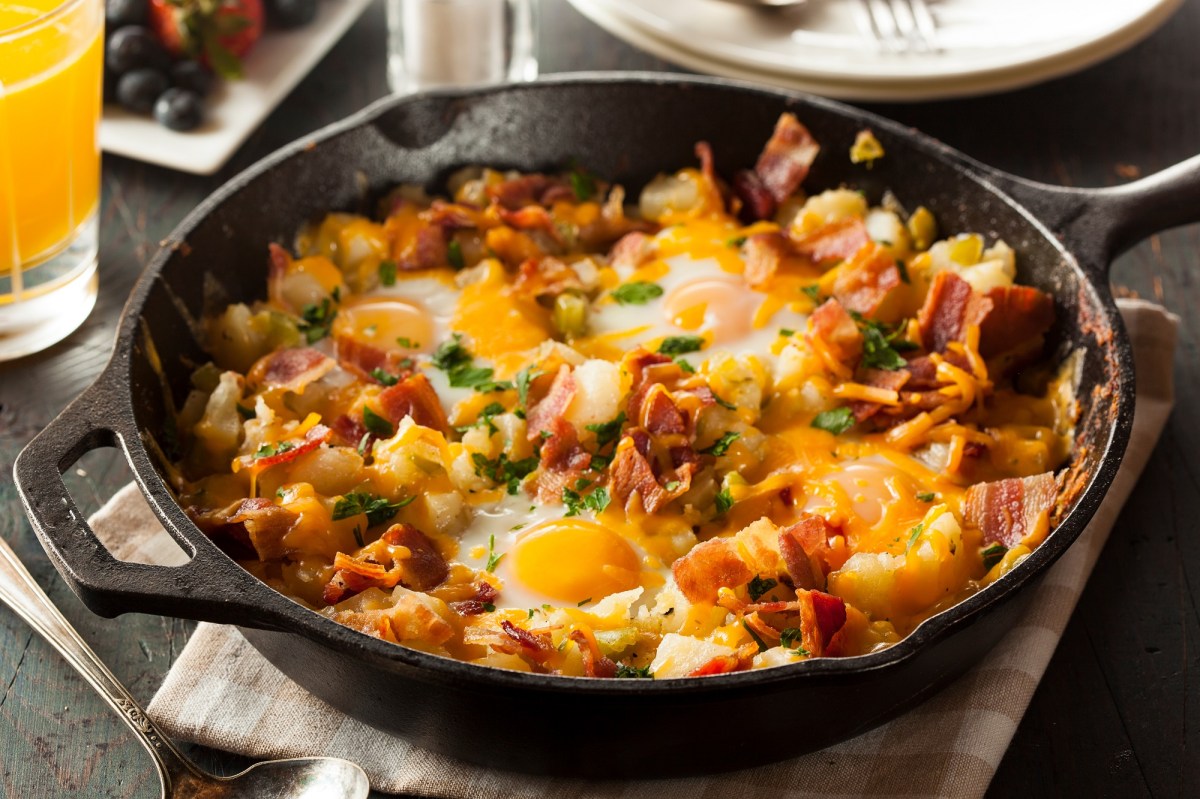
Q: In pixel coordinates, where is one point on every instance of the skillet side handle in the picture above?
(1100, 224)
(198, 589)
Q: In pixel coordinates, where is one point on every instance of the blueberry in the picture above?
(193, 76)
(291, 13)
(118, 13)
(137, 90)
(134, 47)
(179, 109)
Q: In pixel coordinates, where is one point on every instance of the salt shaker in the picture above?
(435, 43)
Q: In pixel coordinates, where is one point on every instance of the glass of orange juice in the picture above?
(51, 65)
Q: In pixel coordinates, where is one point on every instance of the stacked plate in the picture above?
(833, 47)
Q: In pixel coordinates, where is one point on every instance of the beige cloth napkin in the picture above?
(948, 746)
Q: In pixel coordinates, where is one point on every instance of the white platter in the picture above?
(235, 108)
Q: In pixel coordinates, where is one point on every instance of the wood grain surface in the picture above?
(1118, 710)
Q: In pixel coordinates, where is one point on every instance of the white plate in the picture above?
(837, 60)
(276, 64)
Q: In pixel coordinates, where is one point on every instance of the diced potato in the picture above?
(671, 194)
(679, 655)
(239, 337)
(332, 471)
(830, 206)
(219, 430)
(597, 393)
(776, 656)
(885, 227)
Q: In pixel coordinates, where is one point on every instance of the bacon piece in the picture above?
(704, 153)
(595, 664)
(485, 594)
(533, 644)
(279, 261)
(563, 460)
(1006, 511)
(763, 254)
(830, 614)
(757, 202)
(528, 190)
(350, 431)
(453, 216)
(427, 250)
(834, 241)
(414, 396)
(799, 544)
(834, 326)
(291, 369)
(951, 306)
(353, 576)
(721, 664)
(632, 250)
(1019, 313)
(877, 378)
(531, 217)
(362, 359)
(553, 405)
(786, 158)
(425, 568)
(660, 415)
(709, 567)
(315, 437)
(256, 523)
(545, 277)
(631, 471)
(863, 284)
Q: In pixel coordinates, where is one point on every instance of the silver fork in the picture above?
(899, 26)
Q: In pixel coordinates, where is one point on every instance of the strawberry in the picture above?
(218, 32)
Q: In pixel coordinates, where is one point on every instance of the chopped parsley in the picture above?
(639, 292)
(491, 410)
(735, 242)
(451, 353)
(583, 602)
(456, 361)
(377, 509)
(607, 432)
(786, 332)
(596, 501)
(525, 378)
(316, 320)
(383, 377)
(993, 555)
(633, 672)
(724, 500)
(813, 291)
(387, 273)
(271, 450)
(788, 636)
(913, 535)
(358, 537)
(681, 345)
(489, 607)
(724, 403)
(454, 254)
(376, 424)
(673, 485)
(762, 647)
(408, 343)
(836, 421)
(926, 496)
(583, 184)
(722, 444)
(878, 351)
(685, 366)
(902, 268)
(759, 586)
(502, 471)
(493, 560)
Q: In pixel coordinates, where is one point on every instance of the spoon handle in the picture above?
(20, 592)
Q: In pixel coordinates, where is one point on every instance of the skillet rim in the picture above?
(429, 667)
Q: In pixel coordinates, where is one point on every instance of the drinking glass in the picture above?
(51, 64)
(433, 43)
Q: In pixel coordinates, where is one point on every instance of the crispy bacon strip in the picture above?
(425, 568)
(863, 284)
(291, 369)
(485, 594)
(362, 359)
(757, 202)
(353, 576)
(563, 460)
(545, 277)
(1006, 511)
(1018, 314)
(529, 190)
(537, 646)
(785, 161)
(830, 613)
(799, 545)
(834, 241)
(632, 250)
(951, 306)
(414, 396)
(631, 472)
(531, 217)
(877, 378)
(595, 664)
(279, 261)
(709, 567)
(255, 523)
(834, 326)
(315, 437)
(763, 254)
(553, 405)
(659, 414)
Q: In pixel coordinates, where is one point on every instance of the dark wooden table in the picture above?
(1118, 710)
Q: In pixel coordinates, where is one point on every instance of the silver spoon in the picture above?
(297, 778)
(766, 3)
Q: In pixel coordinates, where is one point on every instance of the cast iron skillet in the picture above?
(628, 128)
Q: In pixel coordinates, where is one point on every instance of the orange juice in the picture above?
(51, 61)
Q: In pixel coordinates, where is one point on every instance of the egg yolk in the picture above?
(387, 324)
(573, 560)
(722, 307)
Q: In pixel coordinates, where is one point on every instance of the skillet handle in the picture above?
(199, 589)
(1100, 224)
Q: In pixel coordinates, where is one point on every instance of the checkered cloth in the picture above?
(948, 746)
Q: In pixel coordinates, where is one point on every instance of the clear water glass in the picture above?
(440, 43)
